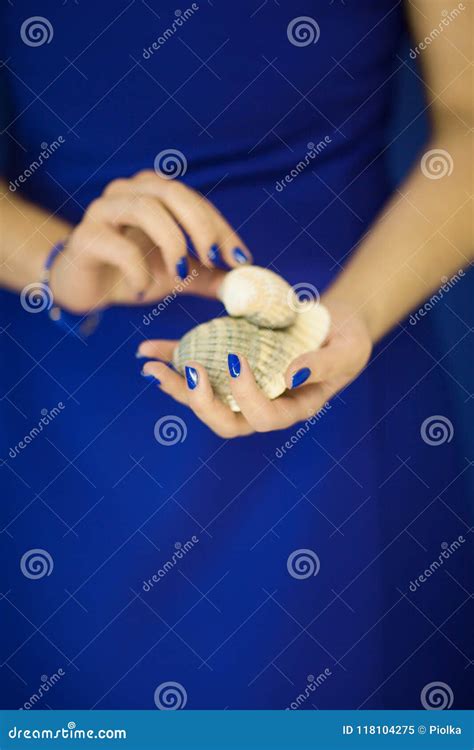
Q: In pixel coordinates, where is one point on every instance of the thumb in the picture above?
(315, 367)
(204, 282)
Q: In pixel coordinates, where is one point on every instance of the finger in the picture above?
(316, 367)
(108, 246)
(200, 398)
(306, 402)
(209, 408)
(260, 412)
(231, 246)
(157, 349)
(202, 281)
(168, 380)
(212, 236)
(149, 215)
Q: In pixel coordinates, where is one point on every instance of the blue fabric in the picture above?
(109, 503)
(4, 119)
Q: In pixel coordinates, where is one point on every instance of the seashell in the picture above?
(269, 351)
(259, 295)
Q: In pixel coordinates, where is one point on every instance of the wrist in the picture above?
(345, 305)
(27, 234)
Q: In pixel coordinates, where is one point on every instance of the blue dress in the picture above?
(267, 572)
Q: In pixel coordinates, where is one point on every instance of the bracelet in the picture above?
(66, 320)
(54, 311)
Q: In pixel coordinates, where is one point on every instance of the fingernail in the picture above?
(182, 267)
(216, 258)
(192, 377)
(300, 377)
(239, 255)
(138, 355)
(233, 363)
(214, 254)
(150, 377)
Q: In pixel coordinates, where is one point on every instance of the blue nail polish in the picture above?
(239, 255)
(192, 377)
(150, 377)
(182, 267)
(300, 377)
(216, 258)
(233, 363)
(214, 255)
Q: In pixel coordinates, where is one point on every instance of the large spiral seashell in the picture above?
(269, 348)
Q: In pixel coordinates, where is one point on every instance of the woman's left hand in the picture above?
(312, 379)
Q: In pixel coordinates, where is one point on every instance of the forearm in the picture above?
(27, 234)
(423, 235)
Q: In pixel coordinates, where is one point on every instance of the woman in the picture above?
(173, 568)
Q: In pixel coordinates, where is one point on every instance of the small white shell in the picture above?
(259, 295)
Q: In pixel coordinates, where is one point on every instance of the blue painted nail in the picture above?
(214, 255)
(239, 255)
(234, 365)
(182, 267)
(216, 258)
(300, 377)
(150, 377)
(192, 377)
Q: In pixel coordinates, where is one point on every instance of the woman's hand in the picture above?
(312, 379)
(131, 246)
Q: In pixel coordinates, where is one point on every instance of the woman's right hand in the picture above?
(130, 247)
